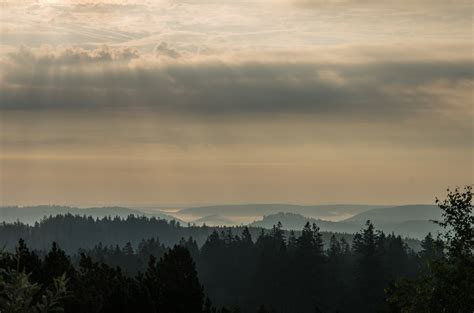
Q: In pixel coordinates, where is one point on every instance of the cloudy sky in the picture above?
(199, 102)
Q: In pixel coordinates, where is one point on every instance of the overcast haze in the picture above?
(172, 102)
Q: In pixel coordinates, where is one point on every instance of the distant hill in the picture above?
(413, 229)
(74, 232)
(327, 212)
(32, 214)
(295, 221)
(408, 220)
(213, 220)
(398, 214)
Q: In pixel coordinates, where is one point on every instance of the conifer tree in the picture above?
(368, 268)
(55, 264)
(178, 283)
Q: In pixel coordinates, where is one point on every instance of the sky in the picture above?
(200, 102)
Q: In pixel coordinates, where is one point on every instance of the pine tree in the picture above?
(368, 270)
(292, 243)
(178, 283)
(246, 237)
(28, 261)
(335, 249)
(149, 285)
(432, 250)
(55, 264)
(278, 236)
(309, 263)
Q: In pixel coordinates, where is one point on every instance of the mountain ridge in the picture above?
(32, 214)
(328, 211)
(292, 221)
(401, 213)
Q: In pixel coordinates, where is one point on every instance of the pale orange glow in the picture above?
(170, 102)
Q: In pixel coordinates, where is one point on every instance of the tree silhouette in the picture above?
(180, 290)
(447, 284)
(368, 271)
(292, 272)
(55, 264)
(19, 295)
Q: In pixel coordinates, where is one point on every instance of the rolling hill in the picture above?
(32, 214)
(213, 220)
(327, 212)
(397, 214)
(291, 221)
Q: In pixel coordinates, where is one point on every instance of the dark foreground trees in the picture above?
(273, 273)
(170, 285)
(446, 284)
(19, 295)
(178, 284)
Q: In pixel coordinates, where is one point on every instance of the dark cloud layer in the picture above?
(106, 78)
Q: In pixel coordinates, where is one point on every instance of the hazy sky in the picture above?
(198, 102)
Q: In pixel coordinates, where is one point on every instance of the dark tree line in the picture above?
(274, 272)
(168, 285)
(287, 274)
(297, 274)
(73, 232)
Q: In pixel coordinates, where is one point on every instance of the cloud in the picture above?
(386, 3)
(122, 79)
(73, 55)
(162, 49)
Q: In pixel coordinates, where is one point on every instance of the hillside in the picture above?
(413, 229)
(397, 214)
(409, 220)
(327, 212)
(291, 221)
(213, 220)
(32, 214)
(74, 232)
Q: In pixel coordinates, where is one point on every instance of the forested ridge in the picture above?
(238, 271)
(73, 232)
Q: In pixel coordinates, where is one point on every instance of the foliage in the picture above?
(244, 272)
(19, 295)
(447, 281)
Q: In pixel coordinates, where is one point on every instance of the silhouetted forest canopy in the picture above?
(236, 269)
(73, 232)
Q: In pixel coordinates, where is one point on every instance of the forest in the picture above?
(238, 270)
(73, 232)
